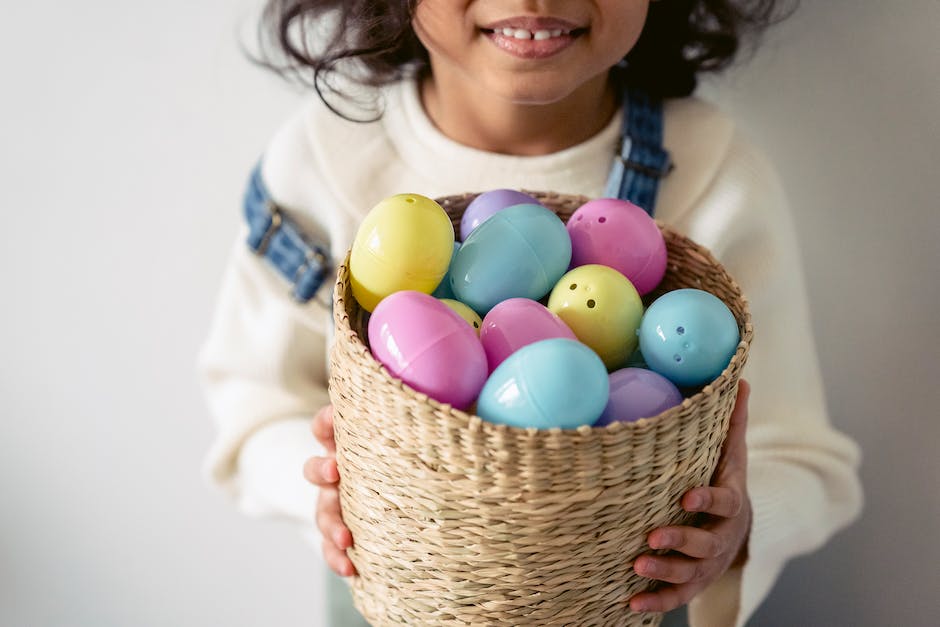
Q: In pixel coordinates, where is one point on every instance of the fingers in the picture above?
(690, 541)
(336, 559)
(321, 471)
(664, 599)
(717, 501)
(322, 428)
(671, 568)
(330, 519)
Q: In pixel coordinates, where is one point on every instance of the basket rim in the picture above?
(474, 422)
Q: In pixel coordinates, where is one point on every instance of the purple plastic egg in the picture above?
(618, 234)
(488, 203)
(637, 393)
(518, 322)
(429, 346)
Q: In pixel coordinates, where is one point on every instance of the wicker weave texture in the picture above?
(459, 522)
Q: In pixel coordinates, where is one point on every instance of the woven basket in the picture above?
(457, 521)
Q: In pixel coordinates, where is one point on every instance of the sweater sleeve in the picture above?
(802, 473)
(263, 370)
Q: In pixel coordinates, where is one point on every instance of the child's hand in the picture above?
(700, 555)
(322, 472)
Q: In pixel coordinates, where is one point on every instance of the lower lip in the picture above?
(531, 48)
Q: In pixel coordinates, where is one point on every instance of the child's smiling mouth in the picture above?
(532, 37)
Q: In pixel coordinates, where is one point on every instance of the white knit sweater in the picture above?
(264, 362)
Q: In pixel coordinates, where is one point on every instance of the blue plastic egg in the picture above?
(688, 336)
(551, 383)
(519, 252)
(443, 289)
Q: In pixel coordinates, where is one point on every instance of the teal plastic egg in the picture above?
(552, 383)
(443, 289)
(688, 336)
(519, 252)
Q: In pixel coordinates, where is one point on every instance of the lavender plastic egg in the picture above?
(619, 234)
(637, 393)
(551, 383)
(488, 203)
(519, 252)
(689, 336)
(429, 346)
(515, 323)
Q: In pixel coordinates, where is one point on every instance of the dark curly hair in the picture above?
(373, 42)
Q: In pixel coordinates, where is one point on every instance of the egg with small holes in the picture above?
(488, 203)
(472, 317)
(689, 336)
(519, 252)
(515, 323)
(551, 383)
(404, 243)
(619, 234)
(603, 309)
(426, 344)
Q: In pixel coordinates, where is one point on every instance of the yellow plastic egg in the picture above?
(404, 243)
(472, 317)
(603, 309)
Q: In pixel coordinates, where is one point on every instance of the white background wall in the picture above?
(126, 131)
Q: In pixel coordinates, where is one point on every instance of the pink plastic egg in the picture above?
(518, 322)
(429, 346)
(618, 234)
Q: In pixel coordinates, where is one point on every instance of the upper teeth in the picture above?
(521, 33)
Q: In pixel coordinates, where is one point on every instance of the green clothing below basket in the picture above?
(342, 613)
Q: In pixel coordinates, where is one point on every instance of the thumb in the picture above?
(734, 451)
(322, 428)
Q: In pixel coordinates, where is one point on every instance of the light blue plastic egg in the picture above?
(688, 336)
(520, 252)
(551, 383)
(443, 289)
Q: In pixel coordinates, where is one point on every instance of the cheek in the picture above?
(620, 29)
(441, 24)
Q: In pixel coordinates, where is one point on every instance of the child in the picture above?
(525, 94)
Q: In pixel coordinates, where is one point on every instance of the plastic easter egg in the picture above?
(404, 243)
(688, 336)
(472, 317)
(603, 309)
(621, 235)
(443, 288)
(551, 383)
(637, 393)
(488, 203)
(515, 323)
(519, 252)
(427, 345)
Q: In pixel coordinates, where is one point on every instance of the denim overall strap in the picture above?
(273, 235)
(642, 160)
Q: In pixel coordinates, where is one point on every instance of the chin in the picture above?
(531, 91)
(535, 88)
